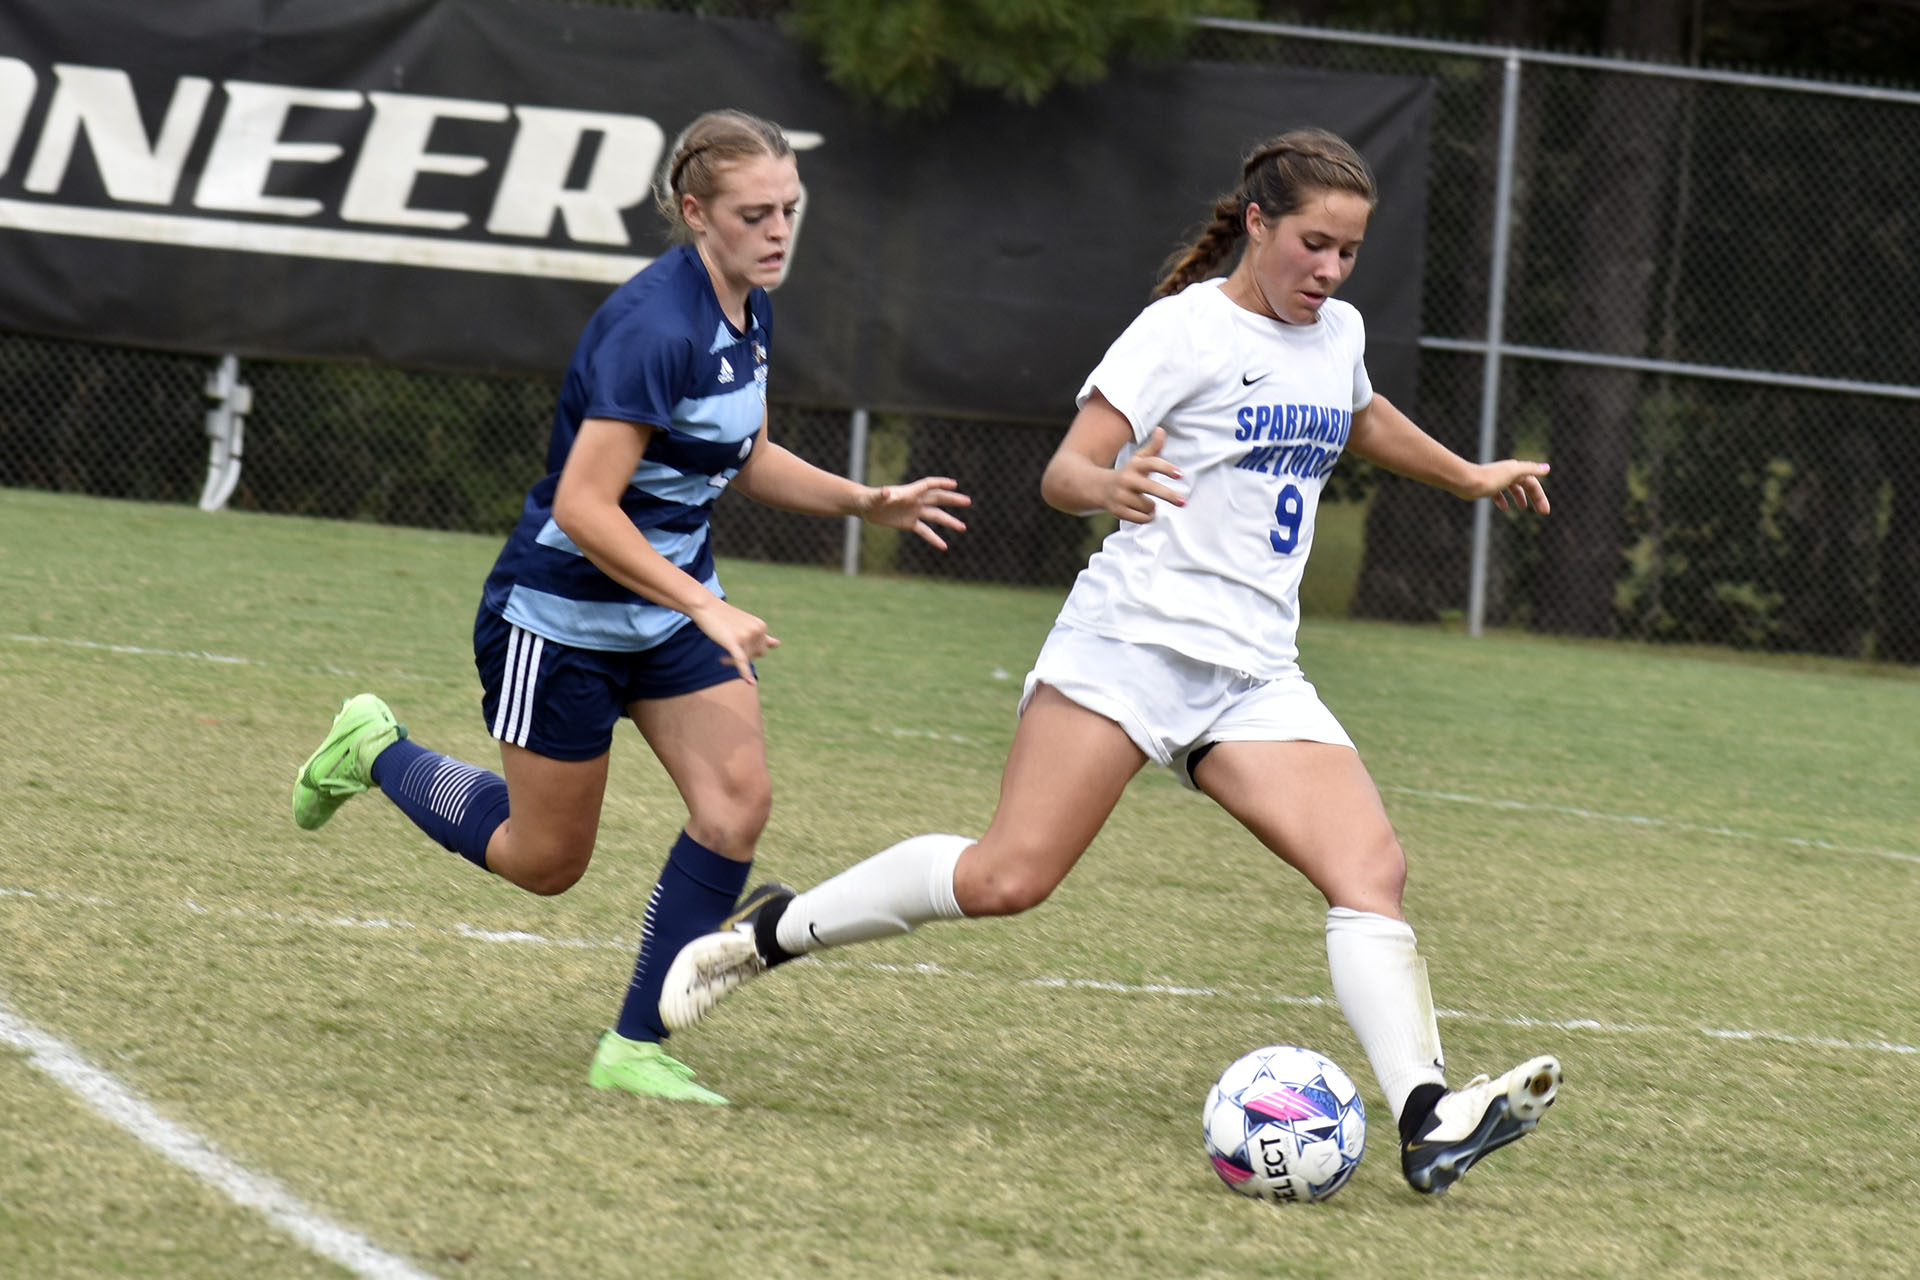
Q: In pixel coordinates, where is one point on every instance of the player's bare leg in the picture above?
(1329, 823)
(1066, 771)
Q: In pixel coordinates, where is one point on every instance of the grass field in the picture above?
(1694, 877)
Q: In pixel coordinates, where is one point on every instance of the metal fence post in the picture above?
(1496, 336)
(856, 472)
(226, 423)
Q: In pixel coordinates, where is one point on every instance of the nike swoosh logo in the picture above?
(1248, 379)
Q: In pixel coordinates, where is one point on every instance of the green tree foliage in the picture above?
(913, 55)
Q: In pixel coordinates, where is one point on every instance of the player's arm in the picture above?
(775, 476)
(1081, 478)
(586, 506)
(1388, 438)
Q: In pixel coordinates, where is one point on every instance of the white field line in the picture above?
(517, 937)
(119, 1105)
(1666, 824)
(1570, 811)
(197, 655)
(1450, 797)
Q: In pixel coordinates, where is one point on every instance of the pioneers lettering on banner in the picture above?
(251, 154)
(455, 185)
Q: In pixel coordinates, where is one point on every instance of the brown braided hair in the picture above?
(1279, 175)
(712, 142)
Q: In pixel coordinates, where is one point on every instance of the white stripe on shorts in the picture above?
(498, 728)
(514, 719)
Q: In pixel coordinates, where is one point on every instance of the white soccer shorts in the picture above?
(1171, 705)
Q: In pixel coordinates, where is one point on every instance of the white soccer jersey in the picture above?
(1256, 413)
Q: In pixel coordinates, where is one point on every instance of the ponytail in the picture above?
(1278, 176)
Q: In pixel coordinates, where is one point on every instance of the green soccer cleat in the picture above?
(643, 1067)
(343, 766)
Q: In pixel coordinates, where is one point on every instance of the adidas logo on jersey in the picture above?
(726, 369)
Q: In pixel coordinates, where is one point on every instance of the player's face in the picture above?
(1301, 260)
(745, 229)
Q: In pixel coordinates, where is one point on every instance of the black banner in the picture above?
(456, 184)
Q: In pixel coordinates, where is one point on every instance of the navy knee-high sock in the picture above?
(454, 802)
(696, 890)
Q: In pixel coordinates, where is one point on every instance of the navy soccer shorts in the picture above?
(562, 702)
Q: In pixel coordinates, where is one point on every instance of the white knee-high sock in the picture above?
(1381, 983)
(902, 886)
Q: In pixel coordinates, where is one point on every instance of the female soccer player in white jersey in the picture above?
(604, 603)
(1208, 429)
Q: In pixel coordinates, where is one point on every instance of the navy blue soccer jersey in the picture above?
(659, 351)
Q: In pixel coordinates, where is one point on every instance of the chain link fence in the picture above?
(1710, 325)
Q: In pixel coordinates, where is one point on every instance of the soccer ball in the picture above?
(1284, 1124)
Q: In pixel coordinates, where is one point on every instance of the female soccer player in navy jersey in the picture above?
(1209, 430)
(604, 603)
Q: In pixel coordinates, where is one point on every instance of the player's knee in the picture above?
(557, 873)
(1389, 867)
(550, 882)
(1376, 878)
(543, 863)
(1003, 888)
(732, 826)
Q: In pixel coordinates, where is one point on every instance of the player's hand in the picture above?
(742, 635)
(1134, 487)
(1512, 484)
(917, 507)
